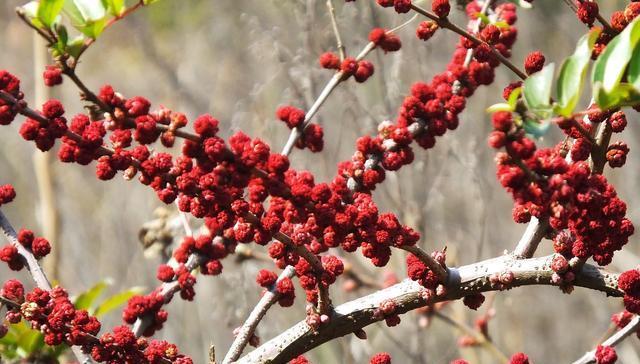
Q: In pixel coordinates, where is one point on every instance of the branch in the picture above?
(336, 31)
(337, 78)
(615, 339)
(37, 273)
(408, 295)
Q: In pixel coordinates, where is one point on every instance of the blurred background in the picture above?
(239, 60)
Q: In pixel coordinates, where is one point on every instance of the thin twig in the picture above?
(336, 31)
(478, 336)
(445, 23)
(248, 328)
(337, 78)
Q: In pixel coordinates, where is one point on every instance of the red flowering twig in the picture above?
(90, 339)
(248, 328)
(36, 271)
(615, 339)
(445, 23)
(337, 78)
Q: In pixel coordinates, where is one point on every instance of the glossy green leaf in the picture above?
(86, 299)
(633, 74)
(48, 11)
(612, 63)
(537, 89)
(571, 78)
(117, 300)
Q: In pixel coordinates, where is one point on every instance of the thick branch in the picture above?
(408, 295)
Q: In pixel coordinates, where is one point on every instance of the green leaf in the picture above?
(513, 97)
(537, 89)
(86, 299)
(117, 300)
(93, 29)
(91, 10)
(536, 128)
(30, 9)
(623, 95)
(499, 107)
(115, 7)
(71, 10)
(30, 340)
(75, 45)
(483, 18)
(633, 74)
(525, 4)
(147, 2)
(571, 78)
(48, 11)
(502, 24)
(610, 66)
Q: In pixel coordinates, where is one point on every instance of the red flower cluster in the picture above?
(7, 194)
(534, 62)
(39, 246)
(568, 194)
(360, 70)
(381, 358)
(149, 307)
(629, 283)
(401, 6)
(122, 346)
(52, 313)
(52, 76)
(426, 30)
(329, 60)
(441, 8)
(419, 272)
(606, 355)
(519, 358)
(11, 85)
(386, 41)
(46, 130)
